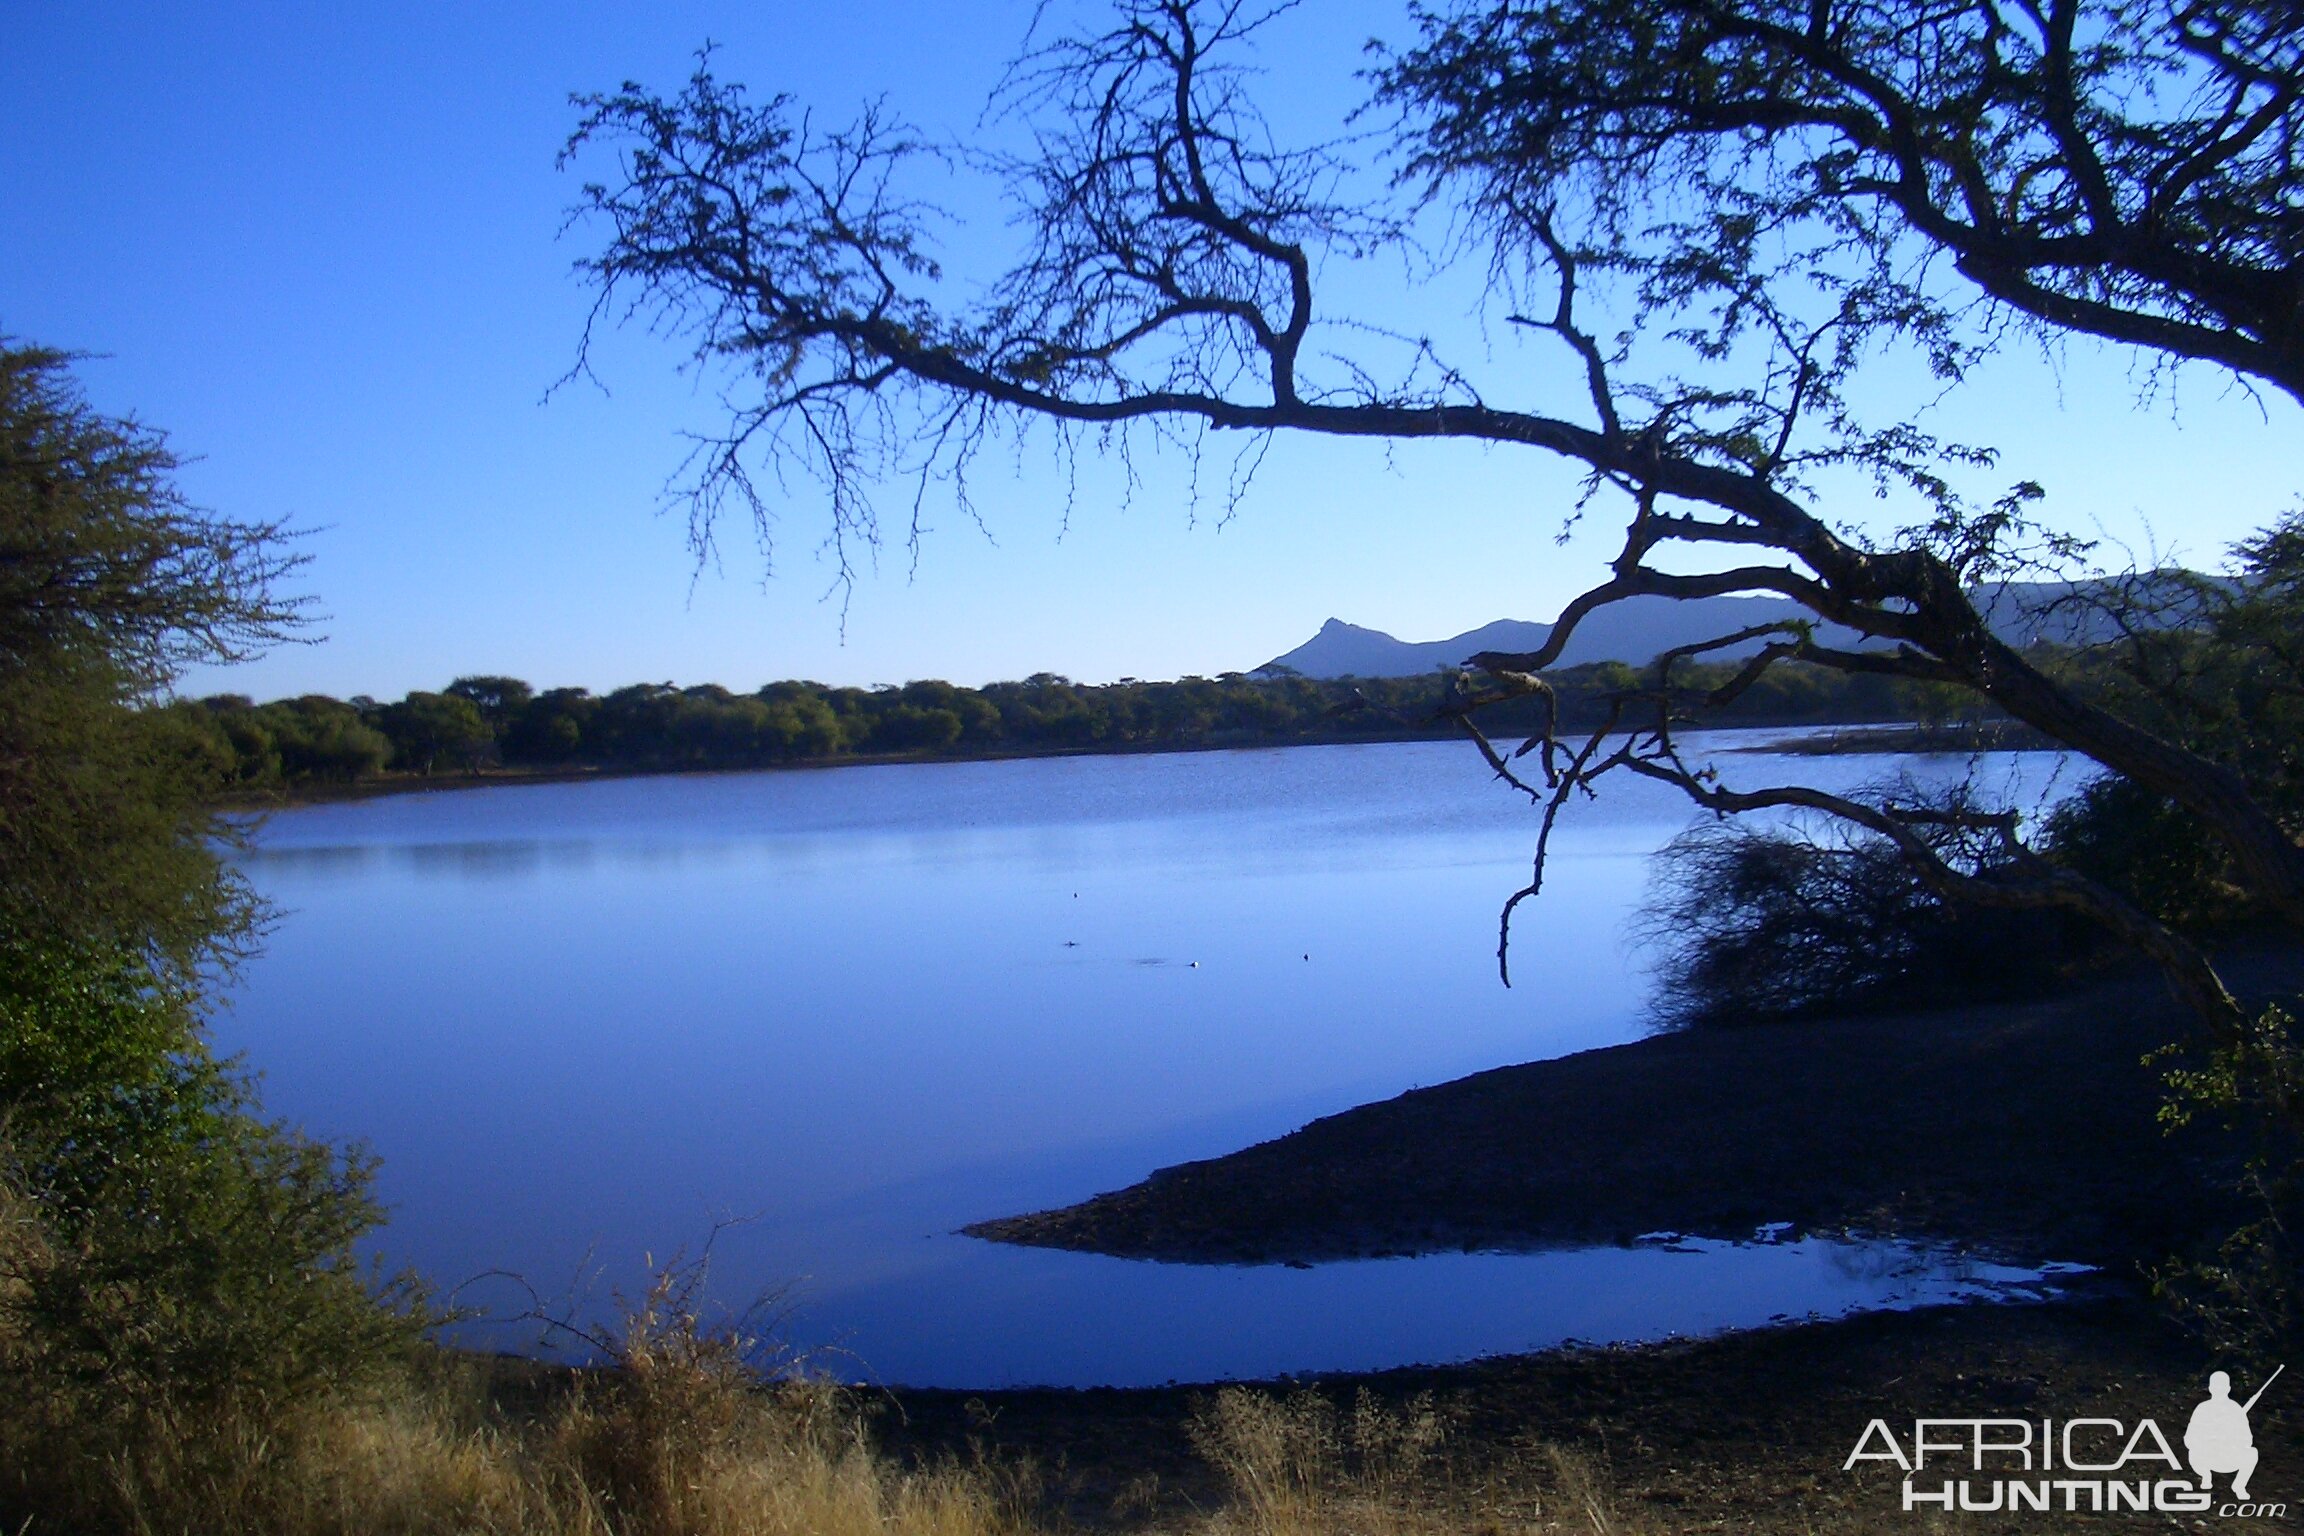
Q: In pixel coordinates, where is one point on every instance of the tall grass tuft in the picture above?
(1298, 1465)
(684, 1436)
(675, 1435)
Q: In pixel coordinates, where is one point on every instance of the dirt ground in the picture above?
(1745, 1432)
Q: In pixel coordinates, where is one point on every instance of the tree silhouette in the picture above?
(1767, 194)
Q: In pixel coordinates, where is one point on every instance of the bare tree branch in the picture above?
(1167, 283)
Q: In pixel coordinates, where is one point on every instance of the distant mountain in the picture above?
(1635, 629)
(1632, 630)
(2073, 612)
(1347, 650)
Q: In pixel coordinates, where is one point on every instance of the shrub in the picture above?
(168, 1260)
(1760, 924)
(2241, 1296)
(2150, 851)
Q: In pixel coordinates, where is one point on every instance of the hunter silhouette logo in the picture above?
(2084, 1465)
(2217, 1439)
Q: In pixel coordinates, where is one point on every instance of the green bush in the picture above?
(2241, 1296)
(163, 1249)
(177, 1274)
(2150, 851)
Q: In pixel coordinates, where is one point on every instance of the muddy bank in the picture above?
(2026, 1130)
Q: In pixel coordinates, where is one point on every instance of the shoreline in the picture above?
(1854, 737)
(1747, 1430)
(511, 778)
(2026, 1131)
(2023, 1130)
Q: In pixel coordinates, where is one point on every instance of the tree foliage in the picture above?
(163, 1249)
(110, 582)
(1760, 925)
(2133, 172)
(104, 567)
(1770, 923)
(166, 1245)
(293, 745)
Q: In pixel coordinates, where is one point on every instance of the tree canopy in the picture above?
(2128, 171)
(291, 745)
(163, 1248)
(110, 583)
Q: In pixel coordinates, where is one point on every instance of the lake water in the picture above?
(853, 1010)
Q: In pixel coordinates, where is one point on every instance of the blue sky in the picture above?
(319, 246)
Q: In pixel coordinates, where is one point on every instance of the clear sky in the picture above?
(319, 245)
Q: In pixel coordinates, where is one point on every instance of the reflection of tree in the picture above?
(1775, 192)
(1875, 1259)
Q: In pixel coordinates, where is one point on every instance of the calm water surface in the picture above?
(855, 1009)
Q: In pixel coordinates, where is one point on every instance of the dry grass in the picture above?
(679, 1438)
(682, 1451)
(1301, 1466)
(772, 1463)
(682, 1438)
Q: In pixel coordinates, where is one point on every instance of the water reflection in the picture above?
(314, 860)
(585, 1022)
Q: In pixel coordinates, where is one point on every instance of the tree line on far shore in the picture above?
(479, 723)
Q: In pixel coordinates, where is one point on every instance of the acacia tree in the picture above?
(111, 583)
(1759, 195)
(163, 1247)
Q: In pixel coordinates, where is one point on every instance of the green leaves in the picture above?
(109, 583)
(102, 559)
